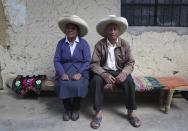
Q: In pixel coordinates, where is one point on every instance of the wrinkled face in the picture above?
(112, 31)
(71, 31)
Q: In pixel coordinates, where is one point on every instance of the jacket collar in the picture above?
(76, 40)
(104, 41)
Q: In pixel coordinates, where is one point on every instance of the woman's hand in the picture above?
(76, 76)
(65, 77)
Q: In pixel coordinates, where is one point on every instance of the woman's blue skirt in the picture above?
(71, 88)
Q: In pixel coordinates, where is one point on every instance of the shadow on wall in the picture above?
(1, 80)
(3, 26)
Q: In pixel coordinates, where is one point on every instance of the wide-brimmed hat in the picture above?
(74, 19)
(120, 21)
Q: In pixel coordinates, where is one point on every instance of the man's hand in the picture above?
(121, 77)
(108, 78)
(108, 87)
(76, 76)
(65, 77)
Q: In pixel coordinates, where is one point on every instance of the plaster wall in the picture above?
(33, 34)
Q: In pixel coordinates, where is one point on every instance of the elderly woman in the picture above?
(71, 62)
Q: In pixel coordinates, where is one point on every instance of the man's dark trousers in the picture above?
(128, 87)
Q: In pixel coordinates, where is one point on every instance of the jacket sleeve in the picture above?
(129, 64)
(57, 60)
(96, 60)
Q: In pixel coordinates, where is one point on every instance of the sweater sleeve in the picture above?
(129, 65)
(87, 58)
(57, 60)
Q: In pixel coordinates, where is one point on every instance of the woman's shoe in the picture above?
(75, 115)
(66, 115)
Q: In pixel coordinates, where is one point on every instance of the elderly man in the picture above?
(112, 64)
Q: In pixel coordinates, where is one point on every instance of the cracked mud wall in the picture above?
(160, 54)
(33, 34)
(3, 28)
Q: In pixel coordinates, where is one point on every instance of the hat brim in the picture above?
(119, 21)
(83, 27)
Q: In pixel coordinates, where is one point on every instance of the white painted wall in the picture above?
(33, 34)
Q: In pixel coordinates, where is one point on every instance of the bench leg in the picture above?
(161, 99)
(169, 100)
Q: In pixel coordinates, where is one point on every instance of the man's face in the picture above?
(71, 31)
(112, 31)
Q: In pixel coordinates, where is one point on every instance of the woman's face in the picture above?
(71, 31)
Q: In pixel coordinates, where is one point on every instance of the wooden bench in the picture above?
(165, 85)
(171, 84)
